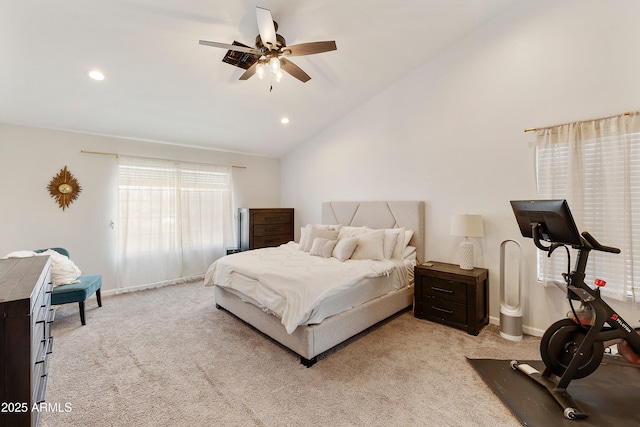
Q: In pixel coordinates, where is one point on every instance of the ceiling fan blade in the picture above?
(294, 70)
(249, 73)
(231, 47)
(266, 28)
(309, 48)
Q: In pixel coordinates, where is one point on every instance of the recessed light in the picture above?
(284, 120)
(96, 75)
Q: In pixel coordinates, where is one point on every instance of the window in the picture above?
(595, 165)
(175, 219)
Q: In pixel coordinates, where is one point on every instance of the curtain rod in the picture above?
(626, 113)
(151, 158)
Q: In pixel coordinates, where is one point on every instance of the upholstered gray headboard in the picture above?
(408, 214)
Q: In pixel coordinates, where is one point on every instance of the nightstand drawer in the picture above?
(445, 289)
(442, 309)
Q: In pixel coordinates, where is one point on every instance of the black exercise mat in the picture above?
(610, 395)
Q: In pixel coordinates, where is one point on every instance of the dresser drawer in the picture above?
(445, 289)
(272, 217)
(37, 337)
(271, 229)
(269, 241)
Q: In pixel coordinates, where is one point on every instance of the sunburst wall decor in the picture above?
(64, 188)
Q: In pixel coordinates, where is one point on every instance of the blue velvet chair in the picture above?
(76, 292)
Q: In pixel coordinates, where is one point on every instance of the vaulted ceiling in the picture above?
(161, 85)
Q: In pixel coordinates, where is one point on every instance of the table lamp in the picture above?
(466, 226)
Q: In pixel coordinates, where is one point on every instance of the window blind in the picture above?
(595, 165)
(175, 218)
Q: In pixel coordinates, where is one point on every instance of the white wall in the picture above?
(451, 133)
(30, 218)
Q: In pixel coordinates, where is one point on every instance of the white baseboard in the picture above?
(117, 291)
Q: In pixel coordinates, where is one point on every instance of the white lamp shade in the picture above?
(467, 225)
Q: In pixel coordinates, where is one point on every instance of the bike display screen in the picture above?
(553, 218)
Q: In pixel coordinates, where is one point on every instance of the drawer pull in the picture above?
(446, 291)
(442, 310)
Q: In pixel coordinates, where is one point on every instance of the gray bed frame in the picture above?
(309, 341)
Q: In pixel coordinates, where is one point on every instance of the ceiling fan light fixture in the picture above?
(274, 64)
(260, 70)
(279, 76)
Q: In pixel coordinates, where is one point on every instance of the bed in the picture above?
(321, 331)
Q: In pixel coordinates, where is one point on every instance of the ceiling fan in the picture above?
(270, 51)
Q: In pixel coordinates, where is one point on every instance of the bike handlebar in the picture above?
(597, 246)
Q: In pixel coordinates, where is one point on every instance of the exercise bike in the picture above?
(572, 348)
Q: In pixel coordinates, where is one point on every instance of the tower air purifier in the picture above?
(510, 304)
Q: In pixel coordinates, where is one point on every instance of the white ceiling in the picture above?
(161, 85)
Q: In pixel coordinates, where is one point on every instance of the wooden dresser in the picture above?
(260, 228)
(25, 337)
(447, 294)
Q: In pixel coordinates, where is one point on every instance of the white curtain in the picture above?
(595, 165)
(175, 219)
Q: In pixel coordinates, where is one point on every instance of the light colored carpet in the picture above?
(168, 357)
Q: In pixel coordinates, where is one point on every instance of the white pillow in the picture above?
(400, 243)
(408, 234)
(344, 248)
(393, 242)
(63, 270)
(322, 247)
(327, 232)
(370, 246)
(304, 236)
(350, 231)
(409, 253)
(306, 241)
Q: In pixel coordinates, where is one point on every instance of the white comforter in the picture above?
(294, 282)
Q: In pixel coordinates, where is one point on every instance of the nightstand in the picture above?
(447, 294)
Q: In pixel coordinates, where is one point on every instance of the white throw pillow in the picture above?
(322, 247)
(344, 248)
(391, 238)
(306, 241)
(63, 270)
(327, 232)
(370, 246)
(304, 236)
(408, 234)
(350, 231)
(409, 253)
(399, 246)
